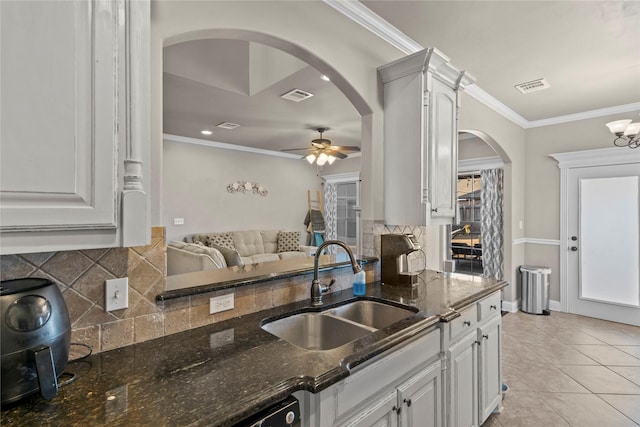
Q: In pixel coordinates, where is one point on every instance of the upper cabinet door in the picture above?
(421, 138)
(443, 150)
(59, 123)
(70, 121)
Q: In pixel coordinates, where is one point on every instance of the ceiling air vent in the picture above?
(228, 125)
(296, 95)
(533, 86)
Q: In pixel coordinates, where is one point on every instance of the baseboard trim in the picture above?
(511, 306)
(514, 306)
(555, 305)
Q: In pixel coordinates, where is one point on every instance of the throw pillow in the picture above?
(231, 256)
(224, 240)
(288, 241)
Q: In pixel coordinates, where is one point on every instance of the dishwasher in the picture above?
(283, 414)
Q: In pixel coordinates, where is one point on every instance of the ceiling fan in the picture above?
(321, 150)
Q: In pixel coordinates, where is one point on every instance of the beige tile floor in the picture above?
(569, 370)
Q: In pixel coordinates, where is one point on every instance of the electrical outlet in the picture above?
(221, 303)
(178, 221)
(116, 294)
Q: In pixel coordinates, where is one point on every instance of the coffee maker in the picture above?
(394, 268)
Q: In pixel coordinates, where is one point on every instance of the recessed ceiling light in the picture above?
(206, 132)
(325, 78)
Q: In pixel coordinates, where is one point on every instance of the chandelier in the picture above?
(626, 133)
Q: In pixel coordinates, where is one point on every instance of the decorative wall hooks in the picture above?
(244, 186)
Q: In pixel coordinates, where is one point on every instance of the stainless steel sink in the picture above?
(371, 313)
(316, 331)
(336, 327)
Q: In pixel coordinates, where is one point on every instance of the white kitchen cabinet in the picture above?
(74, 124)
(421, 138)
(490, 354)
(463, 381)
(401, 387)
(474, 360)
(414, 403)
(420, 398)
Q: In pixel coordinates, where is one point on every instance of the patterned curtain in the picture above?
(330, 213)
(491, 226)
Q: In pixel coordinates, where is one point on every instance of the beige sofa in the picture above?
(209, 251)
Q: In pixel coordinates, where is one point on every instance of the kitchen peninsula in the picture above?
(221, 373)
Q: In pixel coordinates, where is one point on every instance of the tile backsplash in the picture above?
(372, 230)
(81, 274)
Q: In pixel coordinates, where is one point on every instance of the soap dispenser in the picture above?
(359, 283)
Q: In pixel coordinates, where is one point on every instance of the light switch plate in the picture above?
(116, 294)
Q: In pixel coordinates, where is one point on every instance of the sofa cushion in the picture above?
(248, 243)
(231, 256)
(270, 241)
(293, 254)
(254, 259)
(288, 241)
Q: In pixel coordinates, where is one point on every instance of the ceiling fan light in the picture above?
(632, 129)
(311, 158)
(618, 127)
(331, 159)
(322, 159)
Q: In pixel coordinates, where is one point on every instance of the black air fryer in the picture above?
(34, 338)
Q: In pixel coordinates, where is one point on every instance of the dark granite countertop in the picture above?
(198, 282)
(224, 372)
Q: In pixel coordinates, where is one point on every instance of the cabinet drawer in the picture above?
(488, 307)
(463, 324)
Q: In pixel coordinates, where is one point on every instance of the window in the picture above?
(466, 238)
(346, 221)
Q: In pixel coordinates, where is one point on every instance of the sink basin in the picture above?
(316, 331)
(337, 326)
(371, 313)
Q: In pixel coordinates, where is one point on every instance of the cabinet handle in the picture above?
(435, 210)
(407, 401)
(467, 323)
(397, 409)
(485, 337)
(494, 307)
(478, 342)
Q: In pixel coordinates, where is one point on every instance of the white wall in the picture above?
(195, 188)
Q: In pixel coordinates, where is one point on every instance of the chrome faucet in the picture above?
(316, 288)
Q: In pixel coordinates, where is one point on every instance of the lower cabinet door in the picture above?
(420, 398)
(382, 413)
(463, 381)
(490, 372)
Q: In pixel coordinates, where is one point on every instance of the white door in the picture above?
(603, 242)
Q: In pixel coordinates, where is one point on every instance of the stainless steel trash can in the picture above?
(535, 289)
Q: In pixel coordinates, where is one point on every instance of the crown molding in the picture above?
(225, 146)
(373, 22)
(618, 109)
(233, 147)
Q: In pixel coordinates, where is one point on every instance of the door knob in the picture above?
(574, 248)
